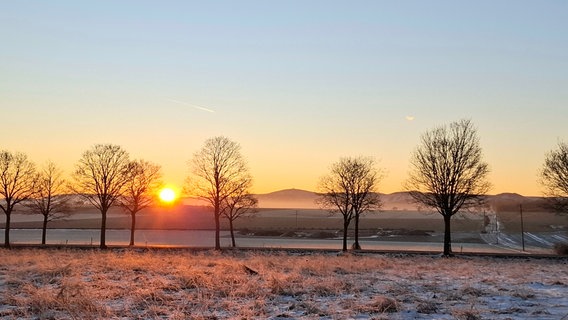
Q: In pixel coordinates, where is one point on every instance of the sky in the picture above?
(298, 84)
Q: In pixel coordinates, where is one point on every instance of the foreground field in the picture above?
(123, 283)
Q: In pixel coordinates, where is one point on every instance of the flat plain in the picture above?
(236, 284)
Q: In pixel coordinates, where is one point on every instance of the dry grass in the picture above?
(74, 284)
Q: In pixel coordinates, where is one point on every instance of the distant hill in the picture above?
(296, 198)
(506, 202)
(303, 199)
(289, 198)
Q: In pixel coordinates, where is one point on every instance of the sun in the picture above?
(167, 195)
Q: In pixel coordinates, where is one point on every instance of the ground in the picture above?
(183, 284)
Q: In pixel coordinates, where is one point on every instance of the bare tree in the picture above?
(448, 172)
(100, 178)
(554, 177)
(239, 204)
(17, 184)
(220, 171)
(140, 190)
(350, 190)
(51, 199)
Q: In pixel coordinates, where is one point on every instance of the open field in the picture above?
(124, 283)
(197, 217)
(543, 230)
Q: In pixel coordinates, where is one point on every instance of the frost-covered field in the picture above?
(64, 284)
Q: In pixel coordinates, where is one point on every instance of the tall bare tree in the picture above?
(100, 177)
(448, 172)
(237, 205)
(554, 177)
(140, 191)
(17, 184)
(350, 189)
(220, 171)
(51, 199)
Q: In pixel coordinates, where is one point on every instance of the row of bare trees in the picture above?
(104, 176)
(447, 173)
(222, 178)
(350, 189)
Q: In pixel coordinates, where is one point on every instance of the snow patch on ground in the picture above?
(277, 285)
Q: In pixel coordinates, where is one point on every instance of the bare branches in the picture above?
(17, 183)
(554, 177)
(144, 180)
(17, 179)
(100, 177)
(350, 186)
(350, 190)
(239, 204)
(220, 173)
(219, 168)
(51, 199)
(448, 172)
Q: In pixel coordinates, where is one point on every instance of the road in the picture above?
(205, 238)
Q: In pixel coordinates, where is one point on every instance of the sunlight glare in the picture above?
(167, 195)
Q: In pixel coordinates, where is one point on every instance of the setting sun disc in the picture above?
(167, 195)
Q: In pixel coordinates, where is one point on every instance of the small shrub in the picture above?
(523, 294)
(470, 314)
(427, 307)
(473, 292)
(380, 304)
(561, 249)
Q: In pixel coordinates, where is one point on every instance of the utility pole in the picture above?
(497, 226)
(522, 227)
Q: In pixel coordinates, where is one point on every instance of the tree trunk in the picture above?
(356, 244)
(132, 228)
(232, 233)
(447, 236)
(103, 228)
(7, 231)
(345, 227)
(217, 229)
(44, 229)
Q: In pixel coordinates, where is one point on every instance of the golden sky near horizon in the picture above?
(298, 89)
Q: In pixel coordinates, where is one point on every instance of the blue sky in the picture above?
(297, 83)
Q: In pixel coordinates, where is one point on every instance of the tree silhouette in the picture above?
(17, 184)
(349, 189)
(237, 205)
(220, 172)
(554, 177)
(448, 172)
(51, 199)
(144, 181)
(100, 177)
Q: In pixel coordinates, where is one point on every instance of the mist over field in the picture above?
(292, 218)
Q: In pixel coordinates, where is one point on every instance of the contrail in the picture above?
(191, 105)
